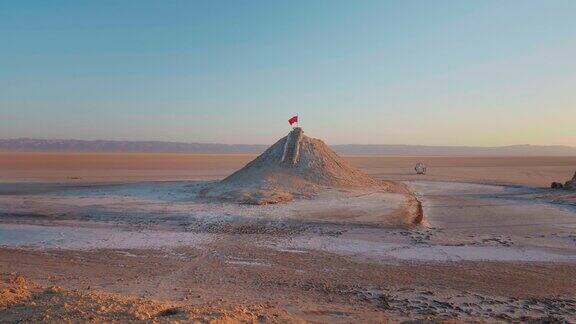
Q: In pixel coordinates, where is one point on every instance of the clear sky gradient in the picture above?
(459, 72)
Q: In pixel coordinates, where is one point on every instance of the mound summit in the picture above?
(295, 166)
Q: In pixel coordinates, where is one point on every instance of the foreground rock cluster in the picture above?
(568, 185)
(23, 301)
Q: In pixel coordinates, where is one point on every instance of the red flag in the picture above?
(293, 120)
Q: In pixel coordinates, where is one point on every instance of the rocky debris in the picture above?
(22, 301)
(556, 185)
(295, 166)
(465, 306)
(571, 184)
(568, 185)
(13, 289)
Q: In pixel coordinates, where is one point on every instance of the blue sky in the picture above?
(456, 72)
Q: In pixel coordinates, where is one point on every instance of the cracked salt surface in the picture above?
(384, 251)
(483, 212)
(176, 200)
(84, 238)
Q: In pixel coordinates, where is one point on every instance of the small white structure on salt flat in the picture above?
(420, 168)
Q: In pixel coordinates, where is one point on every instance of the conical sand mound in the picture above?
(295, 166)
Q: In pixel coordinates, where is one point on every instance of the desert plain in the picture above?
(121, 237)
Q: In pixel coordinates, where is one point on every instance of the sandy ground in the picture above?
(114, 167)
(98, 237)
(100, 167)
(527, 171)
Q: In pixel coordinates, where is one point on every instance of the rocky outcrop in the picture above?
(568, 185)
(571, 184)
(556, 185)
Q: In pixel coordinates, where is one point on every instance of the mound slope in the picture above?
(295, 166)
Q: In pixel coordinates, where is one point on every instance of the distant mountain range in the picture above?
(415, 150)
(70, 145)
(66, 145)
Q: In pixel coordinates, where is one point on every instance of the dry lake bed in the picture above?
(496, 244)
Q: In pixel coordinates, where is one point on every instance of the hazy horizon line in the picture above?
(268, 144)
